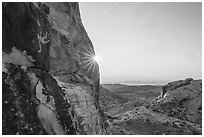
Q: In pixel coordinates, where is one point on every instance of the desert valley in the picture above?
(52, 75)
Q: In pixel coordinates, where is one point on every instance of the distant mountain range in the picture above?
(138, 82)
(133, 91)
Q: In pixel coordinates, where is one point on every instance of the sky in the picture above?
(145, 41)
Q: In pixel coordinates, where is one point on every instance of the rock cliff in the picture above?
(50, 81)
(181, 99)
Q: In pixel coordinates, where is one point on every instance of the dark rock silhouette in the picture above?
(47, 86)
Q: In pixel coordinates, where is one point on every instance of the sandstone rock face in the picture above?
(182, 99)
(50, 82)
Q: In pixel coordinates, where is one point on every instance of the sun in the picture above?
(89, 60)
(96, 58)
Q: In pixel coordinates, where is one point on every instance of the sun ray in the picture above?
(84, 53)
(87, 65)
(89, 59)
(94, 68)
(90, 67)
(86, 61)
(91, 53)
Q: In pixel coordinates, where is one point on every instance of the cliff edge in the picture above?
(50, 82)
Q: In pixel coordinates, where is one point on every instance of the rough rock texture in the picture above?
(142, 121)
(182, 99)
(174, 85)
(177, 112)
(50, 82)
(107, 99)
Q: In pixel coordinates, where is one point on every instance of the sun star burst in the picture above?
(90, 60)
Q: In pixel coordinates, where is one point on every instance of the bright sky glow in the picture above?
(145, 41)
(96, 58)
